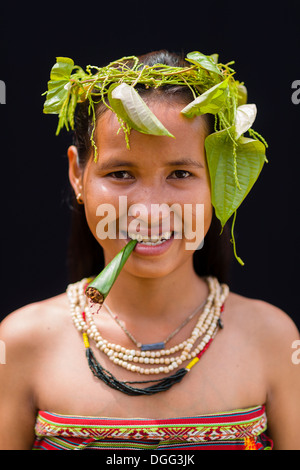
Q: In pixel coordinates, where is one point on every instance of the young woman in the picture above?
(243, 390)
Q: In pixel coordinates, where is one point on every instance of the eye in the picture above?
(120, 175)
(180, 174)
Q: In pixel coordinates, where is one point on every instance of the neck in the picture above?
(177, 293)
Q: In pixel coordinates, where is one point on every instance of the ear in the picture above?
(75, 171)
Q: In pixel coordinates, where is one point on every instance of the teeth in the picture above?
(154, 240)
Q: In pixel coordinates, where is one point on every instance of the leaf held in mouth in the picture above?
(100, 287)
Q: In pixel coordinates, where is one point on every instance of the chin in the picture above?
(154, 268)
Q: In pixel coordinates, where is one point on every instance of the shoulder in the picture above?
(268, 331)
(261, 317)
(32, 324)
(28, 337)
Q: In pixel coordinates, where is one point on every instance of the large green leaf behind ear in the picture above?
(223, 163)
(131, 108)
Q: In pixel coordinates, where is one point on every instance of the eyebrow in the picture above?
(115, 163)
(186, 162)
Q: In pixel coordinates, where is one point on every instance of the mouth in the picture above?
(154, 240)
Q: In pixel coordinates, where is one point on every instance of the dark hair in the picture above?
(85, 255)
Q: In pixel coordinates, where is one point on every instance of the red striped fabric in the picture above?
(238, 429)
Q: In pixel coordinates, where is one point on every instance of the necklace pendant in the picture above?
(152, 346)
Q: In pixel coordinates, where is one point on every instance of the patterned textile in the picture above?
(238, 429)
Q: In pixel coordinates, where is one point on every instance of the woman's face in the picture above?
(126, 187)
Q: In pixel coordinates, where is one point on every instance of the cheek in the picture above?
(201, 206)
(99, 203)
(197, 219)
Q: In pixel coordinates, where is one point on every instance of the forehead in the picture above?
(189, 135)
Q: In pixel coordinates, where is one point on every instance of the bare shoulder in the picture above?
(32, 323)
(267, 320)
(264, 330)
(29, 335)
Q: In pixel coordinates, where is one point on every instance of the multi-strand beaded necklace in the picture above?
(157, 361)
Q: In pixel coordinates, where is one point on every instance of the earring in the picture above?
(79, 198)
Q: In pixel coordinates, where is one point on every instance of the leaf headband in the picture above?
(234, 161)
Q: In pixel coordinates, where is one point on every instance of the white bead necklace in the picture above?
(129, 359)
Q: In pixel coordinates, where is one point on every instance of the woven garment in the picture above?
(234, 430)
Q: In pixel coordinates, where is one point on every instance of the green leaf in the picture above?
(131, 108)
(71, 109)
(58, 86)
(249, 159)
(211, 101)
(100, 287)
(242, 94)
(62, 69)
(56, 96)
(206, 62)
(214, 58)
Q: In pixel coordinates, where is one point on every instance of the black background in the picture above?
(262, 38)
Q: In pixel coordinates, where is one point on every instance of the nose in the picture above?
(153, 210)
(150, 215)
